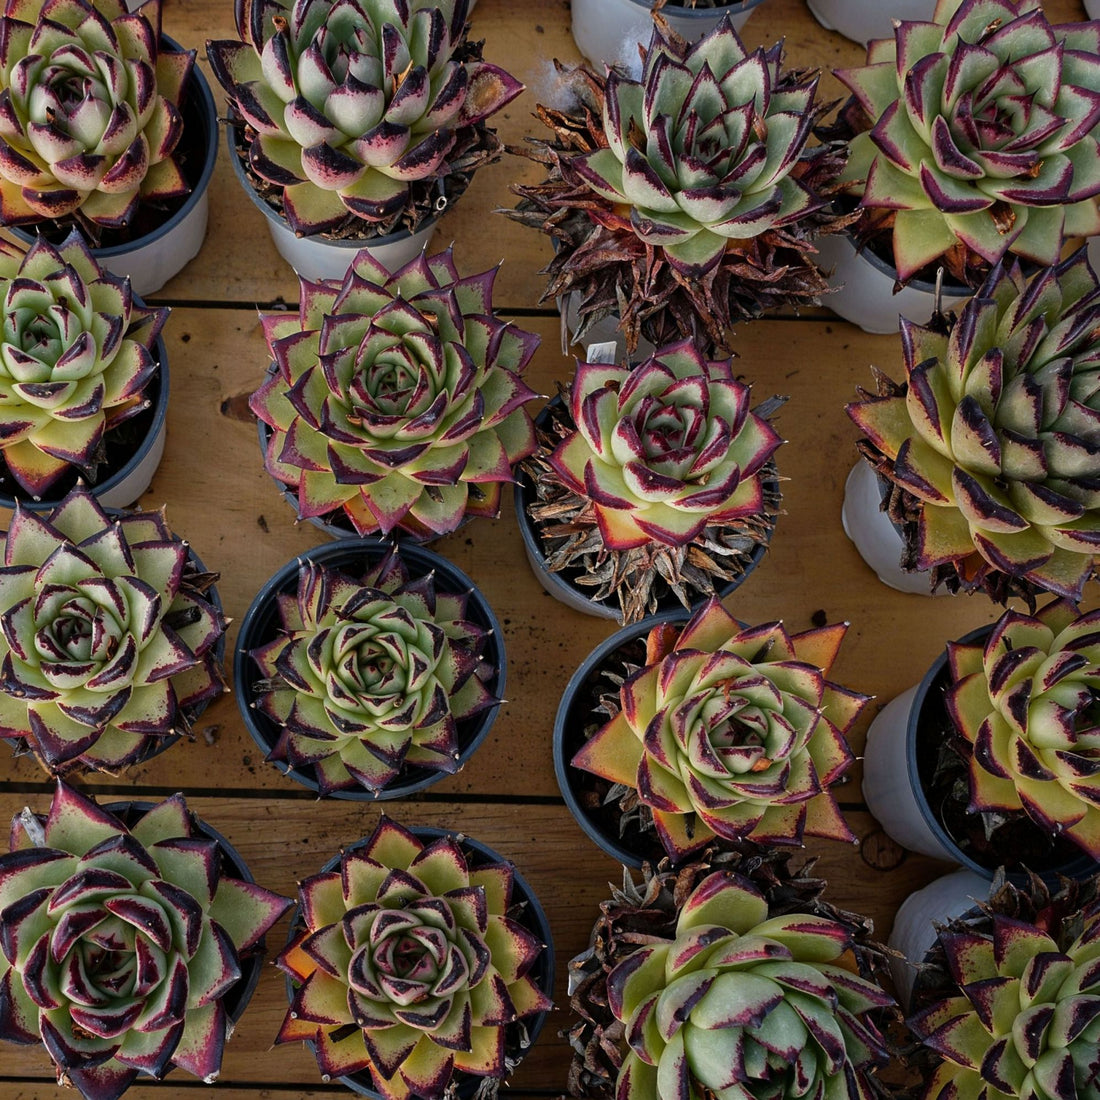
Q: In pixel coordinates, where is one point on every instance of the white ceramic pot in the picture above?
(151, 260)
(863, 288)
(876, 538)
(321, 258)
(609, 31)
(914, 930)
(863, 20)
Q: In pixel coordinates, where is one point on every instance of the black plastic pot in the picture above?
(562, 584)
(584, 792)
(261, 623)
(533, 918)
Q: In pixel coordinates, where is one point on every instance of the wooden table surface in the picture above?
(219, 498)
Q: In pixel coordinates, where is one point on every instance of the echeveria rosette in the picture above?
(991, 441)
(354, 108)
(1008, 999)
(1025, 703)
(664, 449)
(740, 1002)
(978, 136)
(120, 944)
(370, 676)
(76, 357)
(397, 398)
(409, 966)
(107, 636)
(731, 732)
(89, 111)
(688, 198)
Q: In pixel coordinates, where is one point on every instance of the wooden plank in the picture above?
(546, 845)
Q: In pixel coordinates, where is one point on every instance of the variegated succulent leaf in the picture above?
(408, 965)
(108, 636)
(349, 103)
(397, 400)
(664, 449)
(120, 943)
(745, 1004)
(978, 136)
(731, 732)
(89, 111)
(76, 357)
(993, 436)
(1025, 702)
(372, 675)
(1010, 998)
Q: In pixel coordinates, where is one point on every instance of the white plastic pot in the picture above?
(914, 930)
(322, 258)
(1092, 9)
(863, 288)
(863, 20)
(609, 31)
(603, 332)
(151, 260)
(876, 538)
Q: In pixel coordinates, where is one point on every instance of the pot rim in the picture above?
(735, 7)
(285, 579)
(539, 924)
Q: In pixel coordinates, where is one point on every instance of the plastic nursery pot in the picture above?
(1092, 9)
(875, 535)
(863, 20)
(585, 793)
(159, 249)
(353, 556)
(611, 30)
(321, 257)
(909, 795)
(133, 453)
(562, 585)
(863, 288)
(532, 916)
(606, 331)
(232, 865)
(914, 931)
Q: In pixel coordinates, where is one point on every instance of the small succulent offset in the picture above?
(397, 399)
(89, 112)
(1009, 998)
(369, 676)
(120, 944)
(709, 983)
(686, 199)
(107, 635)
(731, 732)
(990, 445)
(660, 475)
(356, 109)
(409, 965)
(976, 136)
(1027, 704)
(76, 357)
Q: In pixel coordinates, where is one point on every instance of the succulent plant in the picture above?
(1024, 701)
(731, 732)
(369, 676)
(120, 944)
(1009, 997)
(107, 635)
(687, 199)
(397, 398)
(356, 109)
(989, 445)
(410, 965)
(976, 136)
(89, 111)
(660, 473)
(76, 357)
(728, 977)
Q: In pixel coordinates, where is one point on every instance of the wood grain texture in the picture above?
(219, 497)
